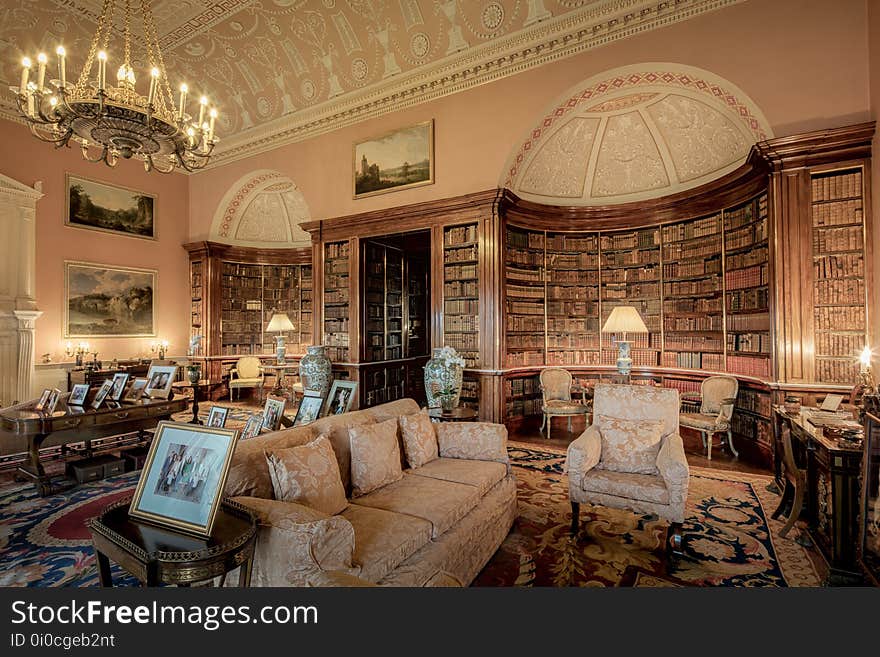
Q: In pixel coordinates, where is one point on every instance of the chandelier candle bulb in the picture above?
(154, 83)
(62, 72)
(25, 73)
(183, 90)
(102, 69)
(41, 70)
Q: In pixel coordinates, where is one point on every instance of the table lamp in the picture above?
(624, 319)
(866, 378)
(280, 322)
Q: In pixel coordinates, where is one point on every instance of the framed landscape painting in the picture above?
(108, 301)
(110, 208)
(399, 159)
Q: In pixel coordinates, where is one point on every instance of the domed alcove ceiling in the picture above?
(263, 208)
(635, 133)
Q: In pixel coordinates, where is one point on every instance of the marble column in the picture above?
(27, 320)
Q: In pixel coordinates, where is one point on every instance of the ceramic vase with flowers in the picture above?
(443, 376)
(194, 372)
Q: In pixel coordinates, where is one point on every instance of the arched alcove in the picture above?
(634, 133)
(262, 209)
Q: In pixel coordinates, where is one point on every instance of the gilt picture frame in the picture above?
(400, 159)
(109, 208)
(109, 301)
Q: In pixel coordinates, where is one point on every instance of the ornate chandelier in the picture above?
(117, 119)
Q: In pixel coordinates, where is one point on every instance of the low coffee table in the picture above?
(156, 555)
(458, 414)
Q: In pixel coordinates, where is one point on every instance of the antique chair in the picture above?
(717, 398)
(631, 457)
(795, 484)
(556, 390)
(246, 374)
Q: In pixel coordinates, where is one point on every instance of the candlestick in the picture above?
(213, 115)
(154, 83)
(102, 69)
(203, 103)
(25, 73)
(41, 70)
(183, 90)
(62, 69)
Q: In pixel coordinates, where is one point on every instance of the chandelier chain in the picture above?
(108, 28)
(83, 80)
(127, 34)
(165, 98)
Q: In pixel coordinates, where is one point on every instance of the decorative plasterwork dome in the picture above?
(264, 208)
(635, 133)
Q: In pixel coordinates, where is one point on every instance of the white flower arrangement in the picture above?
(450, 356)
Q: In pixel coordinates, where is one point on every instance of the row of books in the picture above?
(748, 365)
(336, 296)
(570, 341)
(528, 322)
(696, 268)
(837, 239)
(525, 275)
(525, 341)
(336, 250)
(335, 282)
(749, 277)
(754, 401)
(847, 290)
(525, 358)
(336, 354)
(693, 360)
(698, 305)
(522, 386)
(232, 282)
(746, 236)
(752, 427)
(634, 257)
(650, 273)
(744, 214)
(640, 357)
(336, 312)
(753, 299)
(835, 266)
(459, 272)
(521, 407)
(698, 249)
(692, 229)
(525, 240)
(835, 214)
(461, 289)
(702, 323)
(836, 186)
(522, 257)
(851, 318)
(756, 256)
(572, 357)
(630, 290)
(460, 235)
(460, 254)
(837, 369)
(470, 389)
(572, 243)
(236, 270)
(579, 276)
(461, 306)
(749, 322)
(461, 323)
(751, 342)
(570, 293)
(525, 291)
(463, 341)
(636, 341)
(692, 343)
(525, 308)
(336, 267)
(643, 239)
(839, 343)
(573, 308)
(573, 261)
(335, 339)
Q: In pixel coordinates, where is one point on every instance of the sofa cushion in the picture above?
(249, 472)
(442, 503)
(482, 441)
(308, 474)
(384, 539)
(336, 427)
(481, 474)
(419, 438)
(629, 445)
(375, 456)
(644, 487)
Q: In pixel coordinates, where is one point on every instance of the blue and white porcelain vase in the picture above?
(315, 370)
(443, 372)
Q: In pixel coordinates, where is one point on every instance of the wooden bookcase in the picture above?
(336, 300)
(461, 291)
(384, 314)
(525, 296)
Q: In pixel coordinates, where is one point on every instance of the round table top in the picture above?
(203, 383)
(459, 414)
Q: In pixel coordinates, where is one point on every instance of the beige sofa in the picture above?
(438, 525)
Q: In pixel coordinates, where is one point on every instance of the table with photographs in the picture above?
(72, 424)
(157, 555)
(280, 371)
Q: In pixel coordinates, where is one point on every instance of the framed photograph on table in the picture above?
(78, 394)
(159, 380)
(52, 402)
(252, 427)
(340, 398)
(102, 393)
(109, 208)
(272, 412)
(217, 417)
(309, 408)
(135, 391)
(119, 381)
(399, 159)
(182, 481)
(43, 400)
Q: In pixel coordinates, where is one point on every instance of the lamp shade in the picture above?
(624, 319)
(280, 322)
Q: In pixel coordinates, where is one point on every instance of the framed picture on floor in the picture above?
(102, 393)
(399, 159)
(217, 417)
(272, 412)
(182, 481)
(78, 394)
(159, 381)
(135, 391)
(110, 208)
(120, 379)
(340, 398)
(109, 301)
(309, 408)
(252, 427)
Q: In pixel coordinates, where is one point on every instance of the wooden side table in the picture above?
(155, 555)
(204, 384)
(457, 414)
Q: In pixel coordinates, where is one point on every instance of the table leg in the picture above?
(244, 571)
(104, 570)
(195, 419)
(34, 469)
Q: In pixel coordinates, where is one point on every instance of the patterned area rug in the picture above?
(45, 541)
(729, 538)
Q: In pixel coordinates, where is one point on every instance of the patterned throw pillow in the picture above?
(419, 439)
(308, 474)
(629, 445)
(375, 456)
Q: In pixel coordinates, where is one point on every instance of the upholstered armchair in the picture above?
(246, 374)
(631, 457)
(557, 401)
(717, 399)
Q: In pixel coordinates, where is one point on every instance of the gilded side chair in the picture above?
(246, 374)
(557, 401)
(717, 399)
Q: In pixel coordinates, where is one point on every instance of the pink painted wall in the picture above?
(804, 63)
(28, 161)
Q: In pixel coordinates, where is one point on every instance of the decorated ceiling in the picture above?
(284, 70)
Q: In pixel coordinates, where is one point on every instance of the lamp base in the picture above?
(280, 350)
(624, 362)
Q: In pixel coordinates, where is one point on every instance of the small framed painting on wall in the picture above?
(109, 208)
(399, 159)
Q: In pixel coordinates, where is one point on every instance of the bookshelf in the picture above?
(197, 298)
(525, 295)
(461, 291)
(630, 275)
(241, 309)
(383, 303)
(306, 309)
(336, 300)
(693, 303)
(839, 295)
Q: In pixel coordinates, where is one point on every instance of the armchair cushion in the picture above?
(702, 422)
(583, 454)
(308, 474)
(419, 439)
(375, 456)
(643, 487)
(629, 445)
(480, 441)
(560, 406)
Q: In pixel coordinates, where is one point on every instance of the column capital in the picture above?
(27, 318)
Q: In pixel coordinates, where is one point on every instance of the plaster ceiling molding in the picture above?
(262, 209)
(634, 133)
